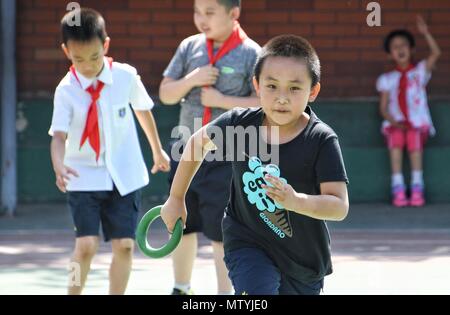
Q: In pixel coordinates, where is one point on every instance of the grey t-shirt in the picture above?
(236, 73)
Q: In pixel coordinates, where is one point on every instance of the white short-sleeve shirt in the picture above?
(416, 96)
(121, 162)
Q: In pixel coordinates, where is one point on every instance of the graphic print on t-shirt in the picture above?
(271, 212)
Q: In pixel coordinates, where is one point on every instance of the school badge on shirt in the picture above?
(227, 70)
(122, 112)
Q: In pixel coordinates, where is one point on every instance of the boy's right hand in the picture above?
(204, 76)
(62, 177)
(172, 210)
(422, 25)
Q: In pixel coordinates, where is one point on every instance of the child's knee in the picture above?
(86, 246)
(123, 246)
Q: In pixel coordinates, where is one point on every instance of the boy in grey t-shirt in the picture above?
(210, 73)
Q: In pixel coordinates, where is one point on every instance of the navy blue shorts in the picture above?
(207, 198)
(252, 272)
(117, 215)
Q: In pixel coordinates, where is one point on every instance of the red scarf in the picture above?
(236, 38)
(91, 130)
(402, 91)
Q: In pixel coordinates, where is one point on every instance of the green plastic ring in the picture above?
(142, 231)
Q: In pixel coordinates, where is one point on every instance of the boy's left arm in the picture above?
(161, 161)
(434, 47)
(211, 97)
(331, 205)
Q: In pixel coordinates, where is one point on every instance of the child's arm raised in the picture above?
(195, 151)
(161, 161)
(331, 205)
(434, 47)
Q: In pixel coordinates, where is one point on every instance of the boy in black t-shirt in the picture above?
(275, 237)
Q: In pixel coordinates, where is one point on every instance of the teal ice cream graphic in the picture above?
(274, 214)
(253, 182)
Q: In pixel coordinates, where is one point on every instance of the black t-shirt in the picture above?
(299, 245)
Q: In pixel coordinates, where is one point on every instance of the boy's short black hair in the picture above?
(290, 46)
(92, 26)
(398, 33)
(230, 4)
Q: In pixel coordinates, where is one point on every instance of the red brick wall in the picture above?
(145, 33)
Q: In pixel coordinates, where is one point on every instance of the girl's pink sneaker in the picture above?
(417, 198)
(399, 196)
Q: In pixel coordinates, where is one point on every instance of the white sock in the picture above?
(183, 287)
(417, 178)
(397, 180)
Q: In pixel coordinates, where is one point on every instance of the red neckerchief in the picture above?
(402, 91)
(91, 130)
(236, 38)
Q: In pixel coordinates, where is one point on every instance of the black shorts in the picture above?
(252, 271)
(207, 198)
(117, 215)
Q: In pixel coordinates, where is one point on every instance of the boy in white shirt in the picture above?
(95, 149)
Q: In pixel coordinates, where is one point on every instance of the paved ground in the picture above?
(377, 250)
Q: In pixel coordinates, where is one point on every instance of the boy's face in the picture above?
(400, 50)
(285, 89)
(214, 20)
(87, 57)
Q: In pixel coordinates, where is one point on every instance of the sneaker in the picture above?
(417, 198)
(399, 196)
(177, 291)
